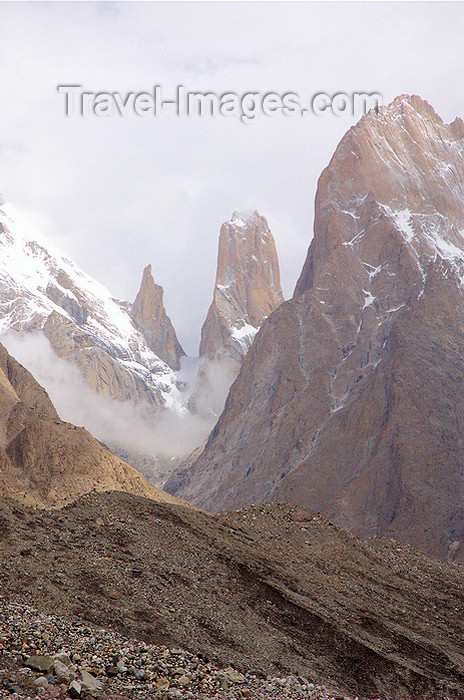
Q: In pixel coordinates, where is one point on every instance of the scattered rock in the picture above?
(234, 676)
(41, 682)
(62, 672)
(89, 681)
(63, 658)
(75, 689)
(121, 667)
(136, 571)
(40, 663)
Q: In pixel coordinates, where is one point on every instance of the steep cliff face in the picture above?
(40, 290)
(247, 289)
(47, 462)
(350, 399)
(150, 318)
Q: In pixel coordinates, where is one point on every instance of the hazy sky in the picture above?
(118, 193)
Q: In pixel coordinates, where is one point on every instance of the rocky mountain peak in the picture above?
(44, 292)
(149, 289)
(247, 289)
(151, 319)
(396, 176)
(349, 400)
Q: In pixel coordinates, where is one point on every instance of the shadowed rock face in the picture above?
(247, 289)
(350, 399)
(151, 319)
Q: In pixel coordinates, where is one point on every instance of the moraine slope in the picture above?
(272, 590)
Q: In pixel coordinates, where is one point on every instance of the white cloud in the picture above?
(117, 194)
(122, 423)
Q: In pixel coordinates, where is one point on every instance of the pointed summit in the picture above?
(350, 400)
(247, 287)
(43, 292)
(246, 291)
(400, 164)
(150, 318)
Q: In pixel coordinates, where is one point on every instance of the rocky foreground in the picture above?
(47, 656)
(269, 592)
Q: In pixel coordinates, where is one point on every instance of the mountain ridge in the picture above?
(388, 232)
(41, 290)
(47, 462)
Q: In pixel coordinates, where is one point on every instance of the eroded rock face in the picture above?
(247, 289)
(350, 400)
(151, 319)
(47, 462)
(99, 367)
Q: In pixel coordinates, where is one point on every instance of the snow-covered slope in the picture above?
(42, 291)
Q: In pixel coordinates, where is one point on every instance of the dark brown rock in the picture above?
(368, 619)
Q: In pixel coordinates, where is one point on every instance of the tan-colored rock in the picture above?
(47, 462)
(151, 319)
(350, 399)
(102, 371)
(247, 289)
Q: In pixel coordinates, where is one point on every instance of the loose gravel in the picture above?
(48, 657)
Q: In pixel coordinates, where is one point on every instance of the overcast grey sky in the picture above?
(118, 193)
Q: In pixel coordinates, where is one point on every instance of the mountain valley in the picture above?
(310, 538)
